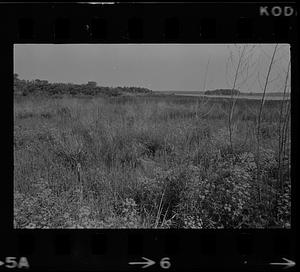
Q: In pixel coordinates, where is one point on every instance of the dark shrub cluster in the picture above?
(43, 87)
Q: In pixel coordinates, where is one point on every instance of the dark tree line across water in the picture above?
(222, 92)
(43, 87)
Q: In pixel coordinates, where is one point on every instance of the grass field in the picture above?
(148, 162)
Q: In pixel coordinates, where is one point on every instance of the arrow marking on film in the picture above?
(1, 263)
(288, 263)
(146, 264)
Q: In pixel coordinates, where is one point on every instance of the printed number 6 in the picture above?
(165, 263)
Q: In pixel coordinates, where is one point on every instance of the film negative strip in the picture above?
(185, 225)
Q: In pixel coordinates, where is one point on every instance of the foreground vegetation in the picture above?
(149, 162)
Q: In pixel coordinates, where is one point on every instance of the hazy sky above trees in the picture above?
(154, 66)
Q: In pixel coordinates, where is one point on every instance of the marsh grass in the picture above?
(146, 162)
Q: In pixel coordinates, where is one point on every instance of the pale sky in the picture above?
(158, 67)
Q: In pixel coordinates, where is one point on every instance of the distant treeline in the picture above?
(43, 87)
(222, 92)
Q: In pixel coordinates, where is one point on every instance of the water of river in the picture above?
(239, 97)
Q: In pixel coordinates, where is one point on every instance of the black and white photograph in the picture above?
(152, 136)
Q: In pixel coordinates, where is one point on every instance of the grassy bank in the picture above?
(146, 162)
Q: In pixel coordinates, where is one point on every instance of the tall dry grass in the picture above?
(145, 162)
